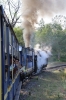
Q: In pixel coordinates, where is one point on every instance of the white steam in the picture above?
(42, 57)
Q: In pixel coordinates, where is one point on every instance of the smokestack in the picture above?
(31, 9)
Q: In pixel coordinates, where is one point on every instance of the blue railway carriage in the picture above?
(9, 51)
(28, 60)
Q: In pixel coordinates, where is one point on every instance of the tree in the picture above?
(60, 19)
(44, 35)
(18, 33)
(53, 35)
(41, 23)
(12, 9)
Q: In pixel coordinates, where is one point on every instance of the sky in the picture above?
(32, 9)
(46, 9)
(50, 9)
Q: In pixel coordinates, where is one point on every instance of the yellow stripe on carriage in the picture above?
(9, 88)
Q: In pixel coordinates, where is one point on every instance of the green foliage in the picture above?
(55, 36)
(19, 35)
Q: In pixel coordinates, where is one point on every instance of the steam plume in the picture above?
(31, 9)
(42, 57)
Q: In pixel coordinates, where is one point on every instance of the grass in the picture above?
(49, 86)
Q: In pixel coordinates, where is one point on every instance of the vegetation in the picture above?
(46, 86)
(55, 36)
(19, 35)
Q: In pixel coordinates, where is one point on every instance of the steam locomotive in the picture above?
(11, 51)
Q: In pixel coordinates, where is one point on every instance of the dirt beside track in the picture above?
(48, 85)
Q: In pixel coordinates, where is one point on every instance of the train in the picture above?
(10, 52)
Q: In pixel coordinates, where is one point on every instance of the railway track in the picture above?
(56, 67)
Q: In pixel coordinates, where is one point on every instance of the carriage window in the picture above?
(5, 37)
(10, 38)
(17, 50)
(5, 50)
(13, 41)
(14, 46)
(10, 42)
